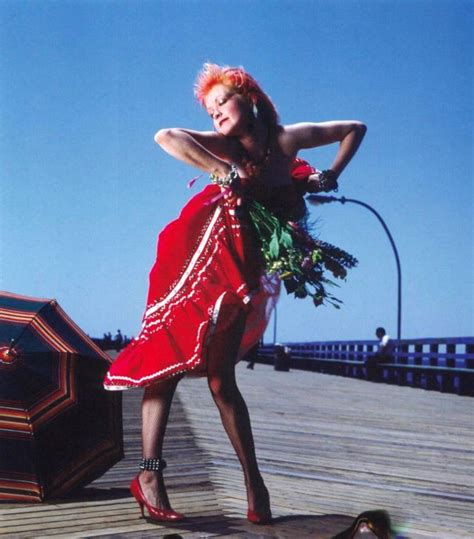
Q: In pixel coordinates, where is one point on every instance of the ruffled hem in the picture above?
(161, 355)
(206, 259)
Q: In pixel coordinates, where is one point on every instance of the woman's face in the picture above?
(230, 111)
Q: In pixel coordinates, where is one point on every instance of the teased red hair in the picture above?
(242, 82)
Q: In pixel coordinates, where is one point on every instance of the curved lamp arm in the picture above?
(323, 199)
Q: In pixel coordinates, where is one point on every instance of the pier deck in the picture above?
(329, 448)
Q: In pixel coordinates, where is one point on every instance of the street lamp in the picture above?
(323, 199)
(275, 325)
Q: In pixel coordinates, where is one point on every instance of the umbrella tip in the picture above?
(8, 354)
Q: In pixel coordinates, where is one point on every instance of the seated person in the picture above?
(384, 353)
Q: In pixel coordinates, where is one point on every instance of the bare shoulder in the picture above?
(287, 140)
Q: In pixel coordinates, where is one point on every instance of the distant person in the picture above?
(107, 340)
(210, 295)
(385, 346)
(252, 356)
(384, 353)
(118, 340)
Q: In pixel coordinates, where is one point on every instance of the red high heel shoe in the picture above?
(259, 518)
(155, 513)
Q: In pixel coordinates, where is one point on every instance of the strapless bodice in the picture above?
(285, 201)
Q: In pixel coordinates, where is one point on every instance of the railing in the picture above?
(110, 344)
(444, 364)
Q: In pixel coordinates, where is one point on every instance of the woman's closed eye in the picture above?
(219, 102)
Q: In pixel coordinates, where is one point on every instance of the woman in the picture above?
(209, 298)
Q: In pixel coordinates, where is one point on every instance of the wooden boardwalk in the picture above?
(329, 448)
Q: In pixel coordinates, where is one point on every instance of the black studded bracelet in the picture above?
(328, 181)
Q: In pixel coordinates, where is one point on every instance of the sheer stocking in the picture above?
(221, 356)
(155, 412)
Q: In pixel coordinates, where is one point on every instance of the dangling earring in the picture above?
(255, 110)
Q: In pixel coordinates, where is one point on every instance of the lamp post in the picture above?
(323, 199)
(275, 325)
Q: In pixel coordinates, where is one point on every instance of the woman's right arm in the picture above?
(202, 149)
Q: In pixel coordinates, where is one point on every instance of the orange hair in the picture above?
(242, 82)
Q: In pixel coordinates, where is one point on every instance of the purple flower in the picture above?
(307, 263)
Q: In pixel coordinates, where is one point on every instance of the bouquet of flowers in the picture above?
(300, 261)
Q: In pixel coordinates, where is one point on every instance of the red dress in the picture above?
(207, 258)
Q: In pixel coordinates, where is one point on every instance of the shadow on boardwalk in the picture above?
(329, 448)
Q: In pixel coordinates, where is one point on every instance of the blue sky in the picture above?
(85, 191)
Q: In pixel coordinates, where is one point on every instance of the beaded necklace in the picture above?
(254, 168)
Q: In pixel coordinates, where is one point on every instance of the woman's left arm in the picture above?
(349, 134)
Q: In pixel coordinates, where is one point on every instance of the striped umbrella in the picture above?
(59, 429)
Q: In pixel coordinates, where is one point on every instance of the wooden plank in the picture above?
(106, 506)
(332, 445)
(329, 448)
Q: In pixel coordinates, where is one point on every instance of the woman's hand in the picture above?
(322, 182)
(232, 197)
(233, 192)
(312, 182)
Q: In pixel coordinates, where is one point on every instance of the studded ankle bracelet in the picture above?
(153, 465)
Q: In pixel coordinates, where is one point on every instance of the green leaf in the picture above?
(286, 239)
(316, 256)
(274, 246)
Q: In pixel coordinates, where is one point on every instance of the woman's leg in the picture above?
(155, 411)
(221, 355)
